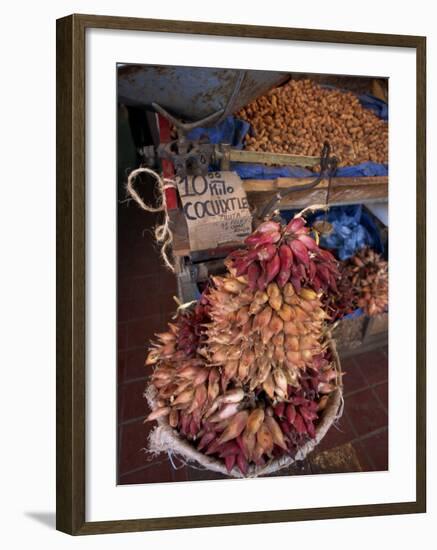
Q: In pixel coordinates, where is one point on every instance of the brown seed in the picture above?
(291, 374)
(173, 418)
(279, 354)
(254, 421)
(227, 412)
(275, 302)
(290, 328)
(234, 353)
(158, 413)
(323, 402)
(201, 377)
(300, 314)
(273, 290)
(167, 349)
(278, 339)
(292, 343)
(280, 380)
(246, 330)
(266, 334)
(220, 355)
(291, 300)
(308, 341)
(243, 371)
(242, 316)
(308, 294)
(307, 306)
(200, 395)
(276, 324)
(319, 314)
(306, 355)
(269, 386)
(213, 384)
(247, 357)
(229, 369)
(261, 297)
(285, 312)
(293, 356)
(257, 453)
(288, 290)
(165, 336)
(189, 371)
(233, 286)
(264, 439)
(184, 397)
(152, 357)
(235, 427)
(249, 441)
(232, 396)
(275, 430)
(262, 319)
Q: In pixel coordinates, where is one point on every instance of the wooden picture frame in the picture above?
(71, 246)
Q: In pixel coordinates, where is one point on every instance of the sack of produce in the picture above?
(297, 117)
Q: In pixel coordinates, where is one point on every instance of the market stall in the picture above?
(266, 183)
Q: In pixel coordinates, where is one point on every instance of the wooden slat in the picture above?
(251, 185)
(343, 191)
(178, 225)
(283, 159)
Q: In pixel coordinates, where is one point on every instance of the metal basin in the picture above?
(192, 93)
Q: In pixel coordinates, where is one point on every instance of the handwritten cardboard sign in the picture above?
(216, 209)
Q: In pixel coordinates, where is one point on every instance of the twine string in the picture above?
(163, 233)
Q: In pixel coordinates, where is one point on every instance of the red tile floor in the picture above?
(145, 303)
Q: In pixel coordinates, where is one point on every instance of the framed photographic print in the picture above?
(240, 274)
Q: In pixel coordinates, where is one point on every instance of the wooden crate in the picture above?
(363, 331)
(349, 333)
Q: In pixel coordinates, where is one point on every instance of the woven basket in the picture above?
(164, 439)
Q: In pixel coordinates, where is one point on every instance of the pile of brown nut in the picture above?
(299, 116)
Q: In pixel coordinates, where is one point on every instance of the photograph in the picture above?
(252, 273)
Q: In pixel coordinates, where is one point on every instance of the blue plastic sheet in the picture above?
(353, 229)
(262, 172)
(379, 107)
(363, 169)
(354, 314)
(231, 130)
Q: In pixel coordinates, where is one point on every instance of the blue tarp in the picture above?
(233, 130)
(262, 172)
(354, 315)
(353, 229)
(379, 107)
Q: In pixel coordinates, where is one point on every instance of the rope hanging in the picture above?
(163, 234)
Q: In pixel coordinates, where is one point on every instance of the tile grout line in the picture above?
(132, 380)
(371, 434)
(144, 467)
(364, 448)
(131, 420)
(368, 387)
(381, 404)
